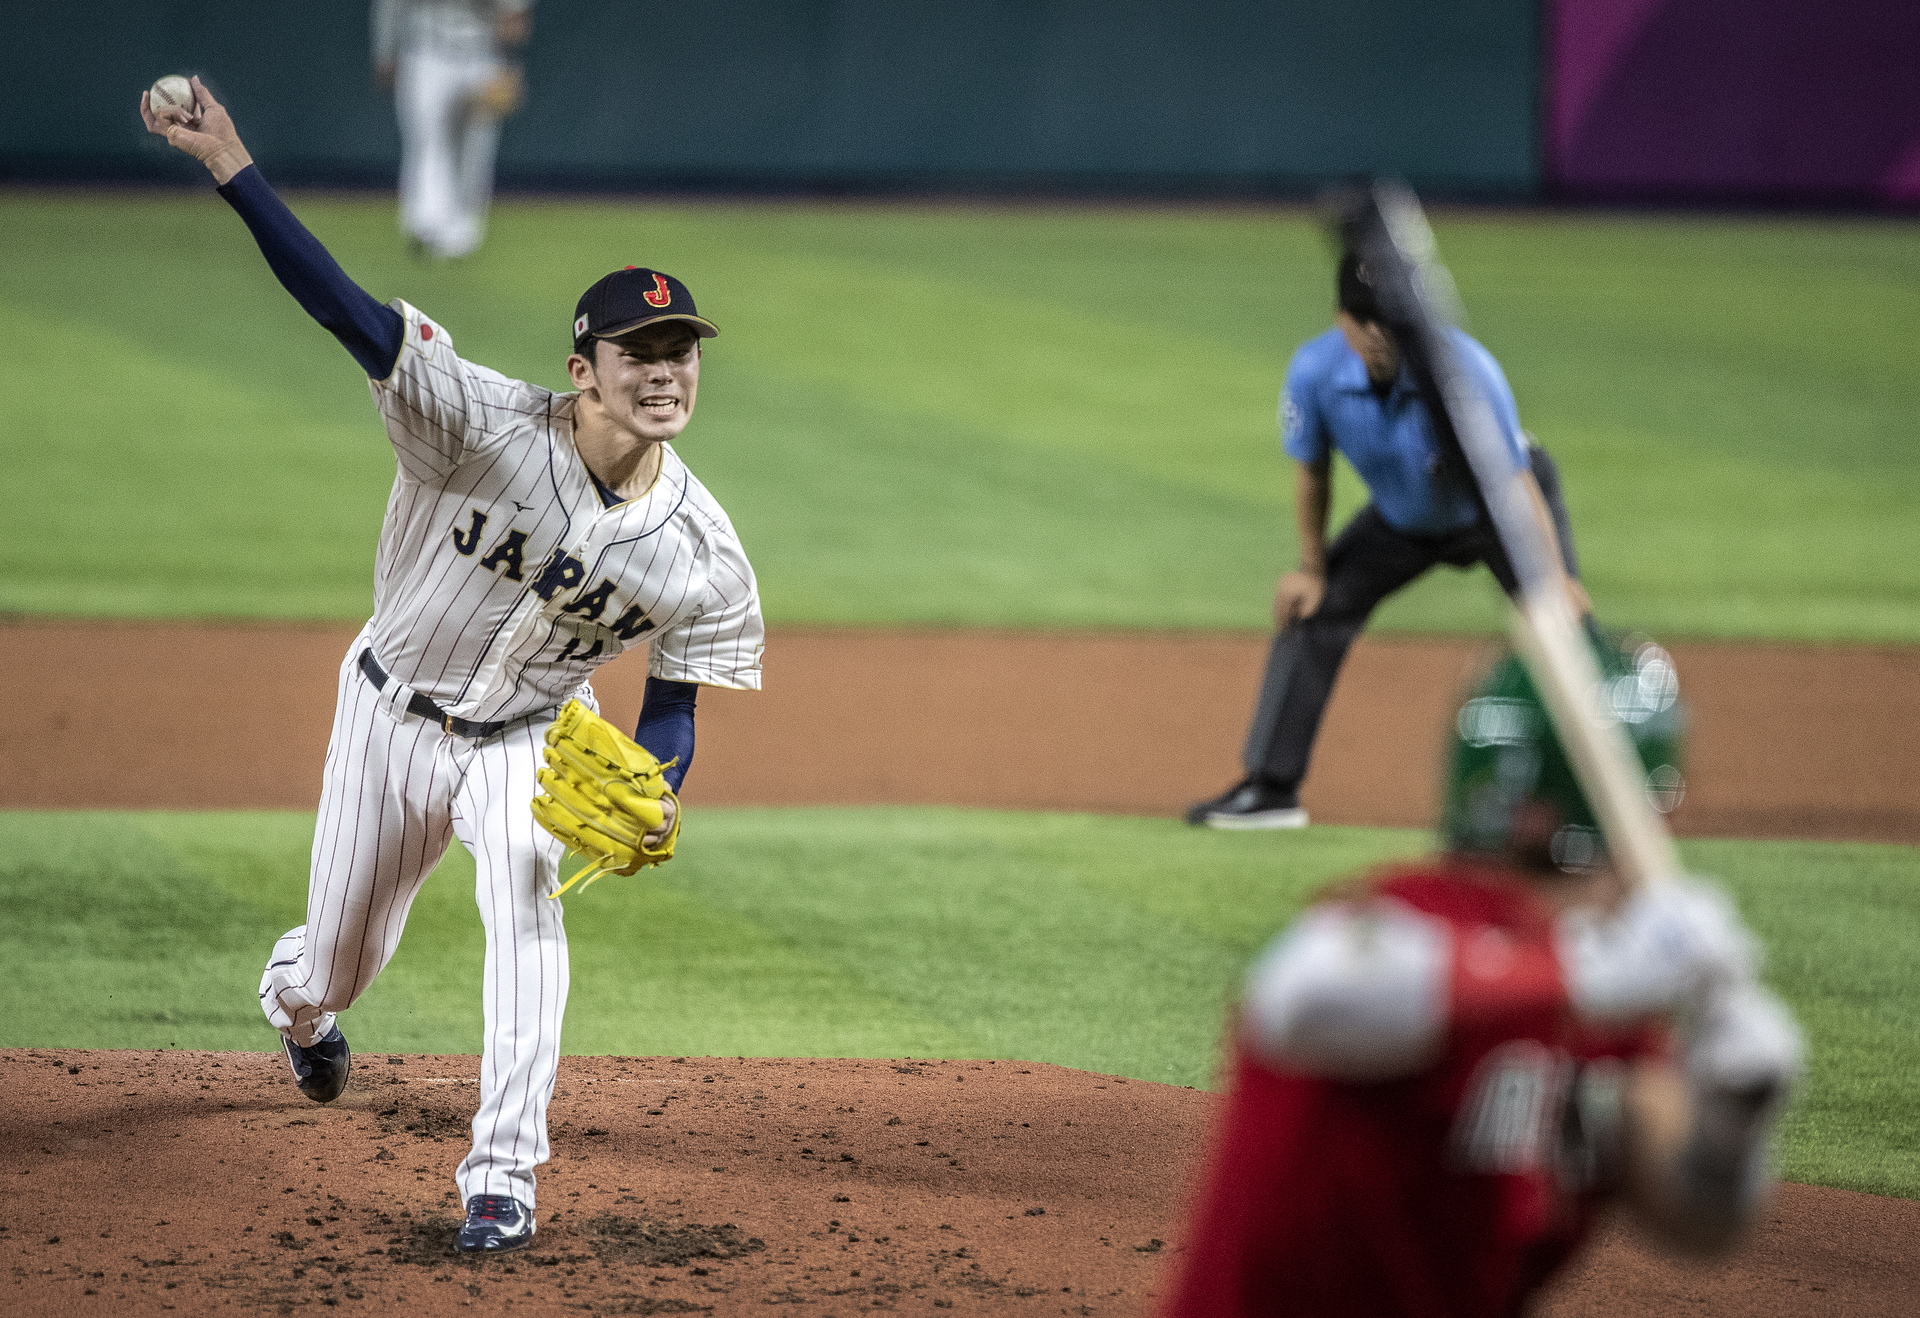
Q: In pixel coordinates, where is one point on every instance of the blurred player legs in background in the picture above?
(454, 73)
(446, 163)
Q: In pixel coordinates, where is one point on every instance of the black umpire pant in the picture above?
(1366, 562)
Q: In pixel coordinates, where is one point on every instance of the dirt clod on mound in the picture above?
(427, 1243)
(664, 1245)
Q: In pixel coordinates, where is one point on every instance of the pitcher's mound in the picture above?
(192, 1181)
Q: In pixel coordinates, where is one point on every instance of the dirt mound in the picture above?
(676, 1186)
(195, 1182)
(237, 717)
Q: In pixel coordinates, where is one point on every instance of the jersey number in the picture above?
(573, 650)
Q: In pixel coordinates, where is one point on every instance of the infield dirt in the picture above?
(201, 1182)
(197, 1182)
(1786, 741)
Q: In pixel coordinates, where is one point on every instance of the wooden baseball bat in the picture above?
(1385, 225)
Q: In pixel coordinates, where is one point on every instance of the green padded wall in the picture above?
(1127, 95)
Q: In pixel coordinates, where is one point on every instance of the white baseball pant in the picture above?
(397, 789)
(447, 150)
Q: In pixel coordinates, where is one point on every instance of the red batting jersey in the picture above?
(1440, 1195)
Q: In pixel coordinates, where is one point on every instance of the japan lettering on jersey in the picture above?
(1443, 1194)
(503, 580)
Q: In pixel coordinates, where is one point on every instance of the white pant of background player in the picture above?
(397, 790)
(447, 149)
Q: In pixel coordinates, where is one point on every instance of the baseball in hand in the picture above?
(174, 93)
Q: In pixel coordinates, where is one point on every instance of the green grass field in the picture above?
(990, 416)
(1094, 942)
(1011, 416)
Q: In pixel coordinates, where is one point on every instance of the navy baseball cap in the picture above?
(628, 299)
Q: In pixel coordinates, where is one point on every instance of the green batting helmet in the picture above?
(1506, 762)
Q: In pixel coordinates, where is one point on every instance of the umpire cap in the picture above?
(629, 299)
(1353, 285)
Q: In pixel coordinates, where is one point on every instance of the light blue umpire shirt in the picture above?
(1328, 403)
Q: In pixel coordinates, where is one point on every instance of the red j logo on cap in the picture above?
(661, 294)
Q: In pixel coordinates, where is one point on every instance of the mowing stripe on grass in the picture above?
(999, 416)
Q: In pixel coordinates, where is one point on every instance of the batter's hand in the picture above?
(213, 140)
(1297, 596)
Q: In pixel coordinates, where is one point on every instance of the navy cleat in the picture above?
(496, 1224)
(321, 1070)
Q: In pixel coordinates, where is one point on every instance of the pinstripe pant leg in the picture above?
(384, 823)
(517, 864)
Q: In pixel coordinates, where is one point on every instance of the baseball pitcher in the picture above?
(530, 537)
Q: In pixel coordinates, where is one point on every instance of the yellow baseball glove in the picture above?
(606, 797)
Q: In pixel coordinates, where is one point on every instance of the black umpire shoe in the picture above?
(496, 1224)
(1251, 803)
(321, 1070)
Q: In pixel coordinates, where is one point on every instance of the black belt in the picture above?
(425, 708)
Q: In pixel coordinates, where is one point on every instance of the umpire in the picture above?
(1349, 390)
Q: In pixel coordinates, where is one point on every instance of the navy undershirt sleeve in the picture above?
(666, 725)
(365, 328)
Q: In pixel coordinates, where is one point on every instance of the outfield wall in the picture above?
(1248, 96)
(1745, 101)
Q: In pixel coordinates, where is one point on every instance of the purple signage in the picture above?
(1734, 100)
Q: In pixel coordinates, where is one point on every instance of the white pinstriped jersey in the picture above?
(502, 578)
